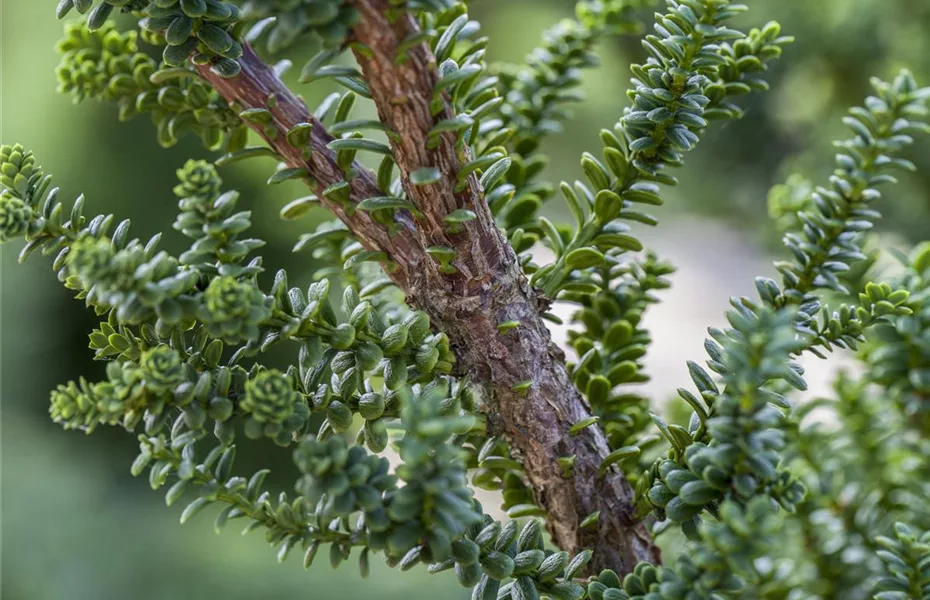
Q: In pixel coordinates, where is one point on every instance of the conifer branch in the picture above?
(404, 85)
(531, 398)
(259, 89)
(184, 335)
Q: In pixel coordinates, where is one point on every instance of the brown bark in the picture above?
(487, 288)
(258, 86)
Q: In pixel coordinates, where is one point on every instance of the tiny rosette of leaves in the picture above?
(233, 310)
(107, 65)
(20, 178)
(272, 405)
(15, 217)
(198, 183)
(197, 29)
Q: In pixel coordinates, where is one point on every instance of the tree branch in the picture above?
(258, 86)
(530, 397)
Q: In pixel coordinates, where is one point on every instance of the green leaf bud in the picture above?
(198, 180)
(270, 397)
(371, 406)
(233, 310)
(162, 367)
(15, 217)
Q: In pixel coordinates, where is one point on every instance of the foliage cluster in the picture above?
(775, 502)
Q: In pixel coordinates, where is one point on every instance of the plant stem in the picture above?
(487, 288)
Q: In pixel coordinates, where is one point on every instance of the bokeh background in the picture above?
(76, 525)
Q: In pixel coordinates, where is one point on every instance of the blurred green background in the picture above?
(76, 525)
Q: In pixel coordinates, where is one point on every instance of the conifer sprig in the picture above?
(719, 566)
(199, 30)
(105, 64)
(829, 238)
(535, 93)
(611, 340)
(897, 357)
(762, 473)
(906, 558)
(185, 336)
(691, 68)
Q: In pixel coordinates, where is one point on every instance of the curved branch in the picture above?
(530, 397)
(258, 86)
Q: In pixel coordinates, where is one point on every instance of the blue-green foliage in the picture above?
(534, 94)
(732, 451)
(718, 567)
(873, 456)
(774, 503)
(899, 357)
(907, 565)
(280, 23)
(105, 64)
(735, 441)
(189, 29)
(696, 65)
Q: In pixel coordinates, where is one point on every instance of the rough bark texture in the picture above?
(488, 288)
(258, 86)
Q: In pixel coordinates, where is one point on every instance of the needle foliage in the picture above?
(778, 495)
